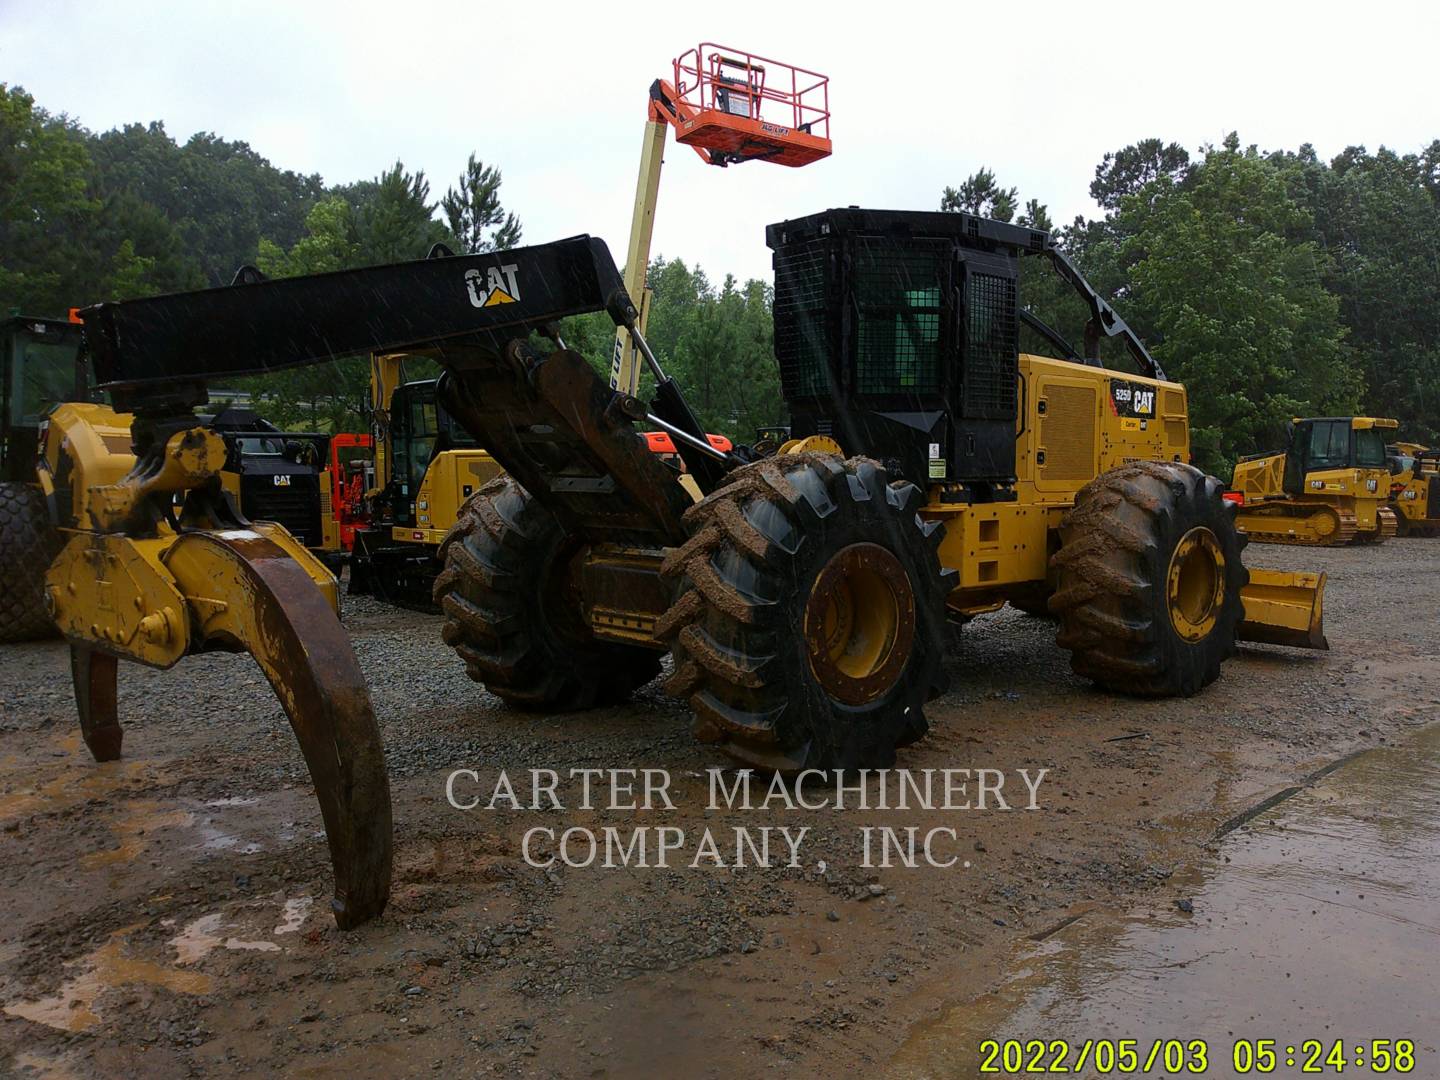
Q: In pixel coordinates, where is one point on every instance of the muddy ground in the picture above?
(167, 913)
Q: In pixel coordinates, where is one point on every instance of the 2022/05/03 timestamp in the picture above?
(1195, 1057)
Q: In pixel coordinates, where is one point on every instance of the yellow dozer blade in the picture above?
(1285, 608)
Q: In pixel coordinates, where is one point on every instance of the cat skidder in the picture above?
(934, 471)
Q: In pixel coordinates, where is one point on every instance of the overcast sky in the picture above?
(555, 93)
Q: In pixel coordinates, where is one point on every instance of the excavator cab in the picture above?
(421, 429)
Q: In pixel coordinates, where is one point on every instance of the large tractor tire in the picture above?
(1149, 580)
(511, 617)
(28, 544)
(809, 626)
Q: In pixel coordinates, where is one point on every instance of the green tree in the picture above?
(47, 210)
(221, 197)
(979, 194)
(1128, 171)
(395, 221)
(1235, 306)
(1377, 217)
(330, 396)
(474, 213)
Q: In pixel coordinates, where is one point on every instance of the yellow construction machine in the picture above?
(1414, 488)
(425, 467)
(1330, 486)
(934, 471)
(270, 474)
(156, 563)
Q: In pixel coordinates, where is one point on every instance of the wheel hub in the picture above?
(860, 623)
(1195, 584)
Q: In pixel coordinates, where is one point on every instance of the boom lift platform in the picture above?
(729, 106)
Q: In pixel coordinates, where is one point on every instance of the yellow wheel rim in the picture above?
(1195, 585)
(860, 623)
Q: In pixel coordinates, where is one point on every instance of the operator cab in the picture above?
(1321, 444)
(41, 365)
(420, 430)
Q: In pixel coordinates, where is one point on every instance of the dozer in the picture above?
(1414, 488)
(1329, 487)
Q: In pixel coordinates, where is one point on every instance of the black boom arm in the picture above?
(146, 349)
(1104, 319)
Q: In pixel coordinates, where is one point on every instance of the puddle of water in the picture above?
(75, 786)
(73, 1007)
(202, 937)
(1323, 924)
(218, 840)
(294, 914)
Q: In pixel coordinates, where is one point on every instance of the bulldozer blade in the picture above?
(96, 700)
(1284, 608)
(267, 604)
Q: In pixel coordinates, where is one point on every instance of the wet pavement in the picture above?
(1317, 919)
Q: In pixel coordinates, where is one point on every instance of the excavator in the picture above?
(425, 466)
(1329, 487)
(932, 471)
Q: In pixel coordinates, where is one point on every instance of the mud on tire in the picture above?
(508, 614)
(1149, 580)
(28, 544)
(809, 626)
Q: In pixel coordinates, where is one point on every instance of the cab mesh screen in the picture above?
(898, 292)
(801, 321)
(988, 389)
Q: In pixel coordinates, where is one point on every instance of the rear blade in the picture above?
(1284, 608)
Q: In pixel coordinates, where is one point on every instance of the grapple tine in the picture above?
(97, 702)
(271, 607)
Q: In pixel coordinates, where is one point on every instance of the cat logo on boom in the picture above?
(499, 285)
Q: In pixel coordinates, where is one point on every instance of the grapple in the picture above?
(157, 565)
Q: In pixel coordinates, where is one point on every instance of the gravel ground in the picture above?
(167, 912)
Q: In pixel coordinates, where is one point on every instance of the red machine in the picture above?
(351, 468)
(661, 443)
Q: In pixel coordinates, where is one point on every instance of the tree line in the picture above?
(1272, 283)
